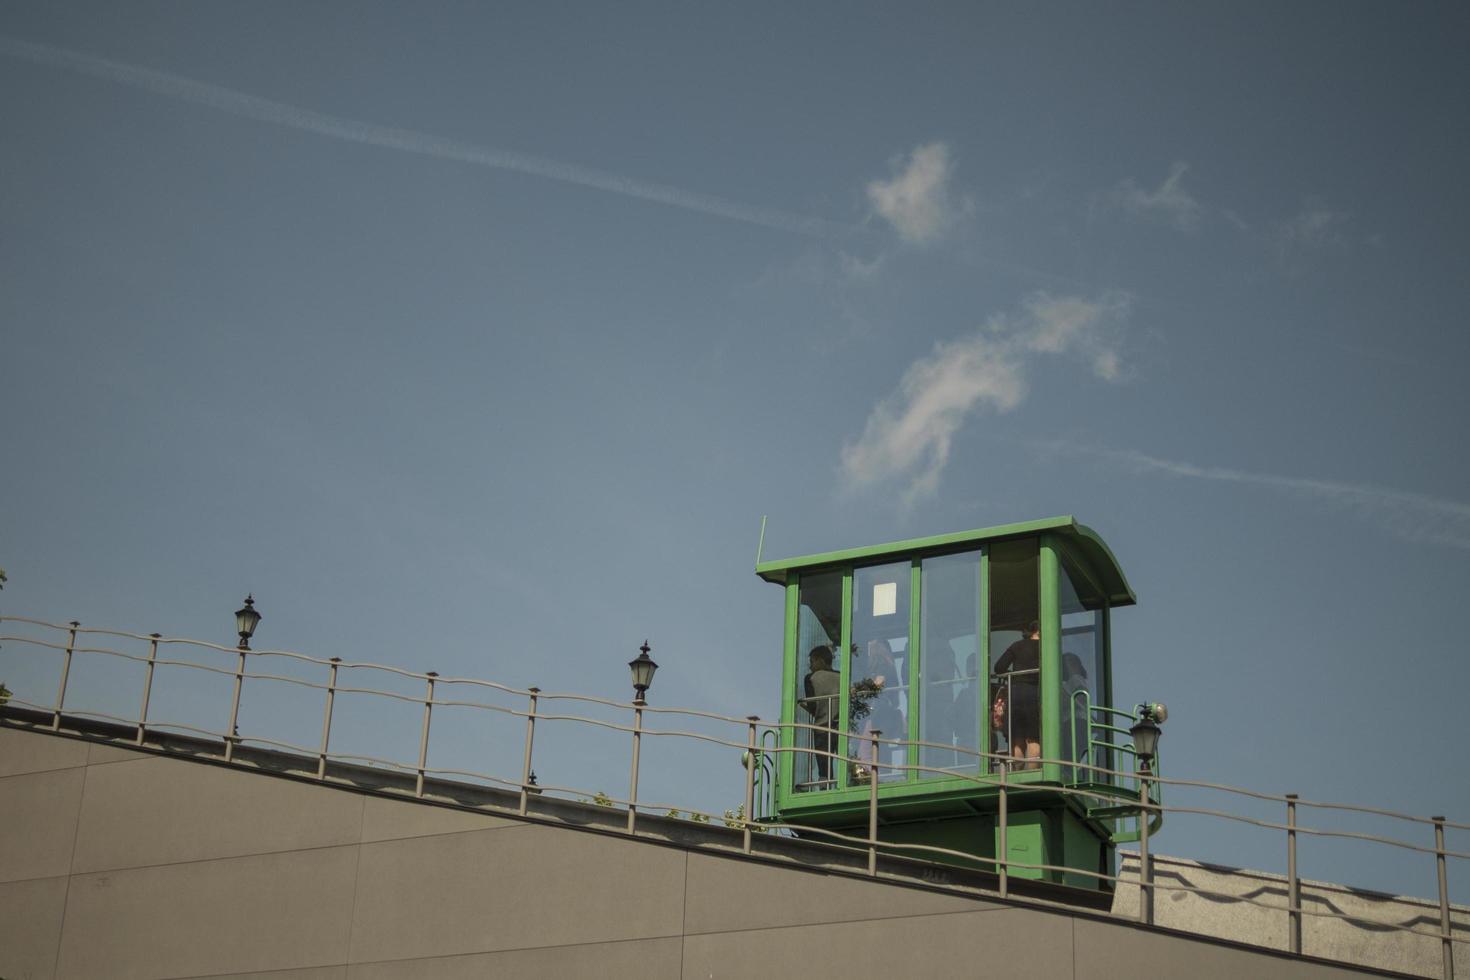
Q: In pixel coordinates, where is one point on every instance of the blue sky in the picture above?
(479, 339)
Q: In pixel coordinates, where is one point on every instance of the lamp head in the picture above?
(246, 619)
(642, 668)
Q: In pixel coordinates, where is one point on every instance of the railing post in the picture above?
(1003, 853)
(530, 737)
(321, 756)
(1446, 936)
(147, 687)
(750, 764)
(418, 789)
(1145, 870)
(232, 734)
(1293, 884)
(873, 806)
(633, 774)
(71, 643)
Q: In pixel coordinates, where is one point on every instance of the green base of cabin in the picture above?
(1041, 829)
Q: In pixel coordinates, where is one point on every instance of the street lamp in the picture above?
(642, 668)
(246, 619)
(1146, 732)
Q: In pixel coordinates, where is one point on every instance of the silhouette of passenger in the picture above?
(822, 687)
(1022, 660)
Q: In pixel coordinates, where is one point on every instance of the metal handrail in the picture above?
(760, 755)
(521, 713)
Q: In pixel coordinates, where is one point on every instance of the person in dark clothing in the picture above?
(1024, 703)
(822, 686)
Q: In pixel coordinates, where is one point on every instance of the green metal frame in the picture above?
(1080, 539)
(1051, 657)
(839, 764)
(916, 695)
(1061, 543)
(982, 657)
(785, 767)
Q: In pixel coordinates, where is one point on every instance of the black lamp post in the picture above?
(1146, 732)
(246, 619)
(642, 668)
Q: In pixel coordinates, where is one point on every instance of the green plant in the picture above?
(602, 799)
(699, 817)
(860, 699)
(5, 693)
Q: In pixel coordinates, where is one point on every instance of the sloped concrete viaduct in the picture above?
(124, 863)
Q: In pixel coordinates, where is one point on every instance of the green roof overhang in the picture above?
(1081, 541)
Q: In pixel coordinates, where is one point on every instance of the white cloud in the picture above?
(855, 269)
(909, 433)
(917, 202)
(1414, 517)
(1313, 228)
(1315, 224)
(1168, 202)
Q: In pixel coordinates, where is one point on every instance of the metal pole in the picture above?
(530, 737)
(1446, 936)
(418, 789)
(1293, 884)
(321, 757)
(633, 775)
(873, 806)
(147, 687)
(232, 734)
(1003, 854)
(1145, 871)
(750, 779)
(71, 643)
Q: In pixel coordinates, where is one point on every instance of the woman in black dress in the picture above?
(1024, 703)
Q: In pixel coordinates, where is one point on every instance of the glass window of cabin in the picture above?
(1081, 606)
(1014, 703)
(878, 694)
(950, 679)
(818, 684)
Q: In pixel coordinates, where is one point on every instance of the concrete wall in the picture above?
(1362, 939)
(124, 864)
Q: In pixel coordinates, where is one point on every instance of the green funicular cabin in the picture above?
(971, 653)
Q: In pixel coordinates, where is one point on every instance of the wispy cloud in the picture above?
(909, 433)
(917, 200)
(409, 141)
(1313, 228)
(1169, 202)
(1412, 516)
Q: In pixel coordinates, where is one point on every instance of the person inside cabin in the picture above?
(886, 714)
(998, 723)
(822, 687)
(1019, 664)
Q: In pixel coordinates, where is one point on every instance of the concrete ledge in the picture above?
(1361, 938)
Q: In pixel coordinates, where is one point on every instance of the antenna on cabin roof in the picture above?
(761, 545)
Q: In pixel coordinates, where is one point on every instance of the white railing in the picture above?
(758, 741)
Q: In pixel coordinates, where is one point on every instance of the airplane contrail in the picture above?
(409, 141)
(1413, 516)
